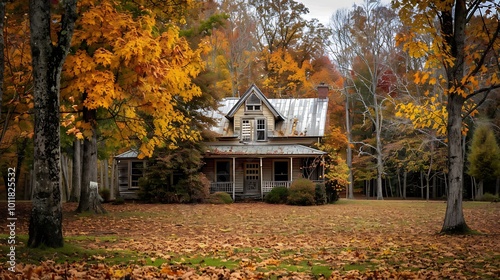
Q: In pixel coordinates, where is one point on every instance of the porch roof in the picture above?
(128, 154)
(262, 150)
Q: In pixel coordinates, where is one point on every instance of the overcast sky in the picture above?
(323, 9)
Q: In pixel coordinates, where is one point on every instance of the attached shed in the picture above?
(130, 170)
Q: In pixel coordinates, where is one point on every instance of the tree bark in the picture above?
(77, 172)
(45, 225)
(350, 188)
(88, 200)
(497, 186)
(405, 176)
(454, 221)
(453, 28)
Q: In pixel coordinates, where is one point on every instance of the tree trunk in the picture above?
(480, 190)
(434, 186)
(88, 200)
(77, 172)
(65, 180)
(497, 187)
(350, 187)
(106, 174)
(112, 195)
(405, 175)
(45, 225)
(454, 221)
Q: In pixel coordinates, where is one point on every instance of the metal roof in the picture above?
(309, 114)
(128, 154)
(262, 150)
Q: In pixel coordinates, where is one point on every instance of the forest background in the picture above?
(140, 74)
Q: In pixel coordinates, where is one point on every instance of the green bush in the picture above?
(332, 193)
(156, 188)
(219, 198)
(118, 201)
(302, 192)
(105, 194)
(194, 188)
(320, 194)
(490, 197)
(277, 195)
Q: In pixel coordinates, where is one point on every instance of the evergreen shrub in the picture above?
(320, 194)
(277, 195)
(219, 198)
(302, 192)
(490, 197)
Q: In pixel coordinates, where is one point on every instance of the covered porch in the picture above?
(246, 171)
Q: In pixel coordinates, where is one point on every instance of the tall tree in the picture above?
(465, 44)
(484, 157)
(362, 44)
(131, 70)
(287, 46)
(48, 58)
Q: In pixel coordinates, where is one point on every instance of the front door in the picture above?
(252, 178)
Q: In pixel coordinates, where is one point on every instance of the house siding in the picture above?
(242, 114)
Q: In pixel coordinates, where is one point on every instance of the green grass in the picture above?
(72, 251)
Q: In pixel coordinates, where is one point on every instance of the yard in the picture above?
(360, 239)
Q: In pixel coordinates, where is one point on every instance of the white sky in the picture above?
(324, 9)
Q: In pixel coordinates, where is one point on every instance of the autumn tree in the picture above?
(45, 225)
(484, 157)
(128, 69)
(465, 45)
(361, 45)
(287, 46)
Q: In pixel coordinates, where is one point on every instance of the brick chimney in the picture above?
(322, 89)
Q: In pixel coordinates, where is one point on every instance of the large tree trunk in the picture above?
(454, 33)
(45, 225)
(89, 201)
(454, 221)
(77, 172)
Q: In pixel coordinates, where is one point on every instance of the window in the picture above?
(222, 170)
(253, 103)
(261, 129)
(281, 171)
(136, 172)
(246, 131)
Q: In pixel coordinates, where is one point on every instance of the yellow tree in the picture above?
(129, 69)
(465, 45)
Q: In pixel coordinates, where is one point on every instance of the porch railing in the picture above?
(221, 187)
(267, 186)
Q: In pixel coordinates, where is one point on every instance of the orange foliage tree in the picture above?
(134, 71)
(464, 46)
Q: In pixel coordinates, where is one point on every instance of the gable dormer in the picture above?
(253, 117)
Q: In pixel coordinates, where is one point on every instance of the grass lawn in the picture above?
(359, 239)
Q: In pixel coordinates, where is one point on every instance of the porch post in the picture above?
(261, 175)
(234, 178)
(291, 170)
(322, 168)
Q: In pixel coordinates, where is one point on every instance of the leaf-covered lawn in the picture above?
(350, 239)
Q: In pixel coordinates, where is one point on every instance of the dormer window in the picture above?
(253, 104)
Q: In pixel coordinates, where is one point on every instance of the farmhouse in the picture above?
(264, 143)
